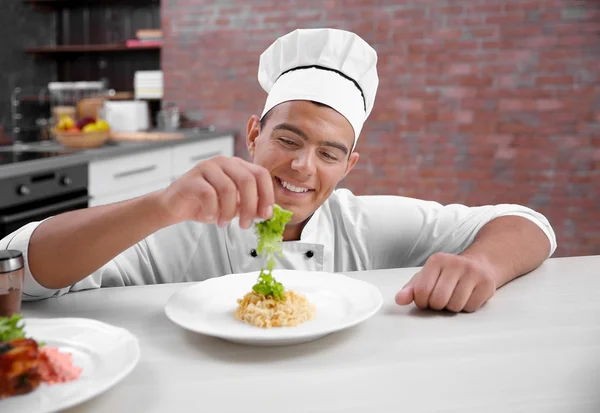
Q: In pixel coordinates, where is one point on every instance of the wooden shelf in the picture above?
(79, 3)
(89, 48)
(46, 98)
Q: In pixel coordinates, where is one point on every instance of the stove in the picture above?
(23, 153)
(12, 157)
(36, 195)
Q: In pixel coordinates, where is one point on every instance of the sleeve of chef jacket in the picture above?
(138, 265)
(404, 232)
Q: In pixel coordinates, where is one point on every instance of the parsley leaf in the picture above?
(11, 328)
(270, 238)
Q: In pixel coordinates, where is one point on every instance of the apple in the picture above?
(81, 123)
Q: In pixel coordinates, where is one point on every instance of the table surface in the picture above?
(534, 347)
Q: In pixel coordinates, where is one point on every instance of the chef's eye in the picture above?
(328, 156)
(287, 142)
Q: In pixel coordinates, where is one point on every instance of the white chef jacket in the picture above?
(347, 233)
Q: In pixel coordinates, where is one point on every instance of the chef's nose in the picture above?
(304, 162)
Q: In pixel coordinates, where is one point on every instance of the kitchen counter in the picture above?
(534, 347)
(81, 156)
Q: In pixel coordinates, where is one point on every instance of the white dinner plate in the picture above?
(105, 354)
(208, 307)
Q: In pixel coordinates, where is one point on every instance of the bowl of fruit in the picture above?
(83, 133)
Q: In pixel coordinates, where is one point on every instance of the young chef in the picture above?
(321, 87)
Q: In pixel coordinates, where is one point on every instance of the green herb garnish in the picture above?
(11, 328)
(268, 286)
(270, 238)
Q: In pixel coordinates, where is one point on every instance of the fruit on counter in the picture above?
(102, 125)
(65, 123)
(86, 125)
(82, 123)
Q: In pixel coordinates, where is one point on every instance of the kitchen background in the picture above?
(480, 101)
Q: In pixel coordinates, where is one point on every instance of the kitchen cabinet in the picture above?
(129, 176)
(184, 157)
(123, 173)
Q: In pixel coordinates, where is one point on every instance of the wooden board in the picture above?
(145, 136)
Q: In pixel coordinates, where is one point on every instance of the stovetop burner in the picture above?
(14, 155)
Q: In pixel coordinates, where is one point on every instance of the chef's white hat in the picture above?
(330, 66)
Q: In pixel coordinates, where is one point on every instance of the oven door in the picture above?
(11, 221)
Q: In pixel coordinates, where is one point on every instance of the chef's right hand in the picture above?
(217, 190)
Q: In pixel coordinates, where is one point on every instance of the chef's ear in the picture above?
(252, 133)
(352, 159)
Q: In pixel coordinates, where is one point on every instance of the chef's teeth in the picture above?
(293, 188)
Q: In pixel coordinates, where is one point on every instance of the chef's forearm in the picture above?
(511, 246)
(68, 247)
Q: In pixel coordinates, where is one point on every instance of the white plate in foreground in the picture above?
(106, 354)
(208, 307)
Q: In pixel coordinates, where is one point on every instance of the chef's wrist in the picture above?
(492, 269)
(158, 210)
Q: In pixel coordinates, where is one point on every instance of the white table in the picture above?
(535, 347)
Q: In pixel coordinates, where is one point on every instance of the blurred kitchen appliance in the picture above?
(127, 115)
(38, 195)
(69, 93)
(168, 118)
(75, 98)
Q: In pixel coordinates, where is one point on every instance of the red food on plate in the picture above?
(57, 367)
(24, 366)
(19, 367)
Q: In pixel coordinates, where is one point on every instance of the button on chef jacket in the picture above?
(347, 233)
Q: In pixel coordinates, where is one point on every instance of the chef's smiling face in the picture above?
(307, 149)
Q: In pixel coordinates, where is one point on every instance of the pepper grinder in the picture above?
(11, 282)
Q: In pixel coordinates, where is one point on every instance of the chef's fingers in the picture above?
(446, 283)
(246, 196)
(406, 295)
(478, 297)
(226, 192)
(266, 195)
(206, 208)
(461, 294)
(425, 283)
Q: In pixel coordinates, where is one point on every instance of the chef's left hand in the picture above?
(452, 282)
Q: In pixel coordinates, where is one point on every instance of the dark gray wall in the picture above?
(22, 26)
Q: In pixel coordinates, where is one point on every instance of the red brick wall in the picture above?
(480, 101)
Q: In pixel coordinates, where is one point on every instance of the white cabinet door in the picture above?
(186, 156)
(129, 176)
(128, 172)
